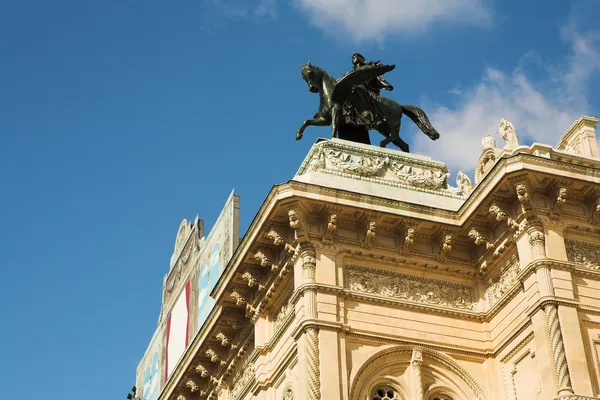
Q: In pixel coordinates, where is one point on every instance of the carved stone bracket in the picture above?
(265, 261)
(252, 281)
(500, 215)
(278, 240)
(523, 196)
(446, 248)
(297, 220)
(330, 228)
(479, 239)
(242, 302)
(559, 201)
(595, 211)
(409, 239)
(225, 341)
(215, 357)
(234, 323)
(193, 386)
(369, 235)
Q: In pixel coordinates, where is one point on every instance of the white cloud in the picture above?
(541, 109)
(372, 19)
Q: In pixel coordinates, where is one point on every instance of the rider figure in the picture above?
(376, 84)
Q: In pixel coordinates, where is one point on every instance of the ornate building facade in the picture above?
(369, 277)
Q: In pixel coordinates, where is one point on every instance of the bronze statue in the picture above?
(352, 106)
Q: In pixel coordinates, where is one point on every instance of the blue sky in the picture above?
(120, 118)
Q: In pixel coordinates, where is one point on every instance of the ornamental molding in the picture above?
(586, 255)
(409, 288)
(509, 277)
(390, 354)
(243, 381)
(379, 166)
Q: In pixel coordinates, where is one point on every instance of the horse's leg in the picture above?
(335, 116)
(395, 138)
(319, 121)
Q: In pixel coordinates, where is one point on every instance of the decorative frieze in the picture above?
(282, 315)
(382, 167)
(242, 381)
(498, 287)
(585, 254)
(410, 288)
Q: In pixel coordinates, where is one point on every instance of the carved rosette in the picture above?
(312, 353)
(558, 350)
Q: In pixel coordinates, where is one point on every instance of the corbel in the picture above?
(496, 212)
(479, 239)
(410, 231)
(278, 240)
(252, 281)
(595, 209)
(193, 386)
(559, 201)
(369, 235)
(298, 220)
(330, 228)
(242, 302)
(523, 192)
(234, 323)
(214, 357)
(265, 262)
(225, 341)
(446, 247)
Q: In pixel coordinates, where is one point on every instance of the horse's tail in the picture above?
(420, 119)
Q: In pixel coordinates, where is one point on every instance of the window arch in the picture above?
(384, 392)
(440, 396)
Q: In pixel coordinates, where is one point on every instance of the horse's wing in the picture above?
(343, 86)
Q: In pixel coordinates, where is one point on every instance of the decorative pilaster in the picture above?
(311, 335)
(416, 362)
(558, 350)
(545, 287)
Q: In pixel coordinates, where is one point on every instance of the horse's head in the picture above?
(312, 76)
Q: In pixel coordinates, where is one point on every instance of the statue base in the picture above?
(377, 171)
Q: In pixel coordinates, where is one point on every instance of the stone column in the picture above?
(556, 344)
(416, 362)
(311, 334)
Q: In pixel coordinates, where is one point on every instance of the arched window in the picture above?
(384, 392)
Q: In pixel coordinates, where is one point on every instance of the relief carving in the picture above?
(241, 381)
(595, 214)
(419, 177)
(508, 278)
(225, 341)
(214, 357)
(193, 386)
(411, 288)
(282, 315)
(585, 254)
(356, 164)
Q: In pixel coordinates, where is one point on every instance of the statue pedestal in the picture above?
(381, 172)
